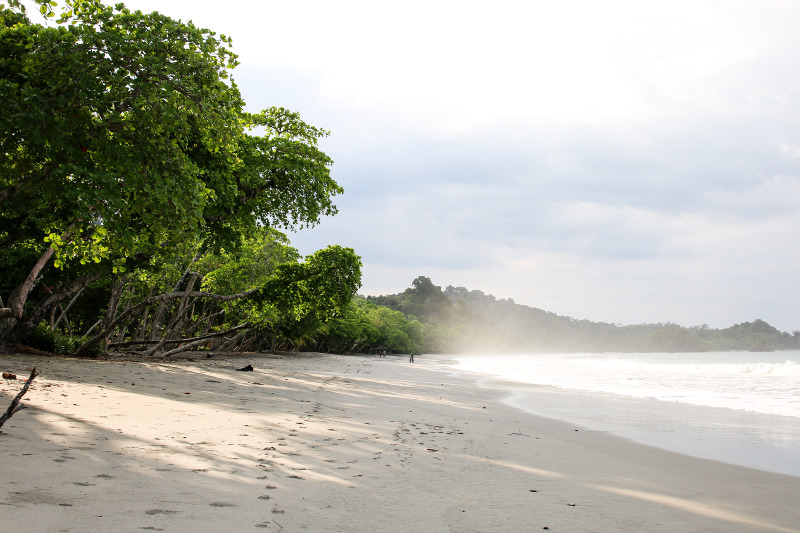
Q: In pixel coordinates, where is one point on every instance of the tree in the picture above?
(184, 287)
(122, 133)
(304, 296)
(426, 300)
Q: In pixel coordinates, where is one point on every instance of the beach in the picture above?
(313, 442)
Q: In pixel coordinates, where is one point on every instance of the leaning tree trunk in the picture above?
(117, 286)
(63, 315)
(56, 296)
(107, 330)
(161, 312)
(9, 316)
(202, 340)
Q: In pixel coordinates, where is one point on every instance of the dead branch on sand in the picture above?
(15, 406)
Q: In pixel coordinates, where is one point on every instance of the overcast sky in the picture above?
(620, 161)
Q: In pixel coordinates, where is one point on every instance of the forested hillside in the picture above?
(457, 319)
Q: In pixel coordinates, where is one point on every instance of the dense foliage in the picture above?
(370, 328)
(133, 189)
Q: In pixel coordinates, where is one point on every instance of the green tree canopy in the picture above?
(123, 132)
(306, 295)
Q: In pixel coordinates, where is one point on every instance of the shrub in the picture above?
(42, 338)
(58, 342)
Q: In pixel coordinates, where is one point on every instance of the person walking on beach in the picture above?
(411, 358)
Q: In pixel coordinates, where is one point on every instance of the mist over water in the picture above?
(764, 382)
(737, 407)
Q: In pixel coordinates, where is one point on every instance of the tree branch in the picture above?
(199, 341)
(175, 341)
(150, 301)
(14, 407)
(61, 293)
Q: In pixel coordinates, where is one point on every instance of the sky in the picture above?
(619, 161)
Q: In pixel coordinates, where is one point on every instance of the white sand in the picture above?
(344, 444)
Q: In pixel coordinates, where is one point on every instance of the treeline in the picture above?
(456, 320)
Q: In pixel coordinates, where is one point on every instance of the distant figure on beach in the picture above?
(411, 358)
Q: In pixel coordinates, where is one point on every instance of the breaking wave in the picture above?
(766, 382)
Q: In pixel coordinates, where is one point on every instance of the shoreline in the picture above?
(340, 443)
(705, 432)
(751, 438)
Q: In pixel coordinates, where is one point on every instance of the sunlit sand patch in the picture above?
(424, 457)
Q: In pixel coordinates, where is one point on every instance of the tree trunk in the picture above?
(123, 330)
(16, 301)
(67, 308)
(103, 335)
(202, 340)
(117, 286)
(160, 315)
(43, 308)
(142, 331)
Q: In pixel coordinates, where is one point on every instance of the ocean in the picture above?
(737, 407)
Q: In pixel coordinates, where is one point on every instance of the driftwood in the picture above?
(15, 406)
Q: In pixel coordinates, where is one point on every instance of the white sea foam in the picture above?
(789, 368)
(758, 424)
(751, 381)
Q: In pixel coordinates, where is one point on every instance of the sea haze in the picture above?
(737, 407)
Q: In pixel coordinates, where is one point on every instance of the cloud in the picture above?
(623, 161)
